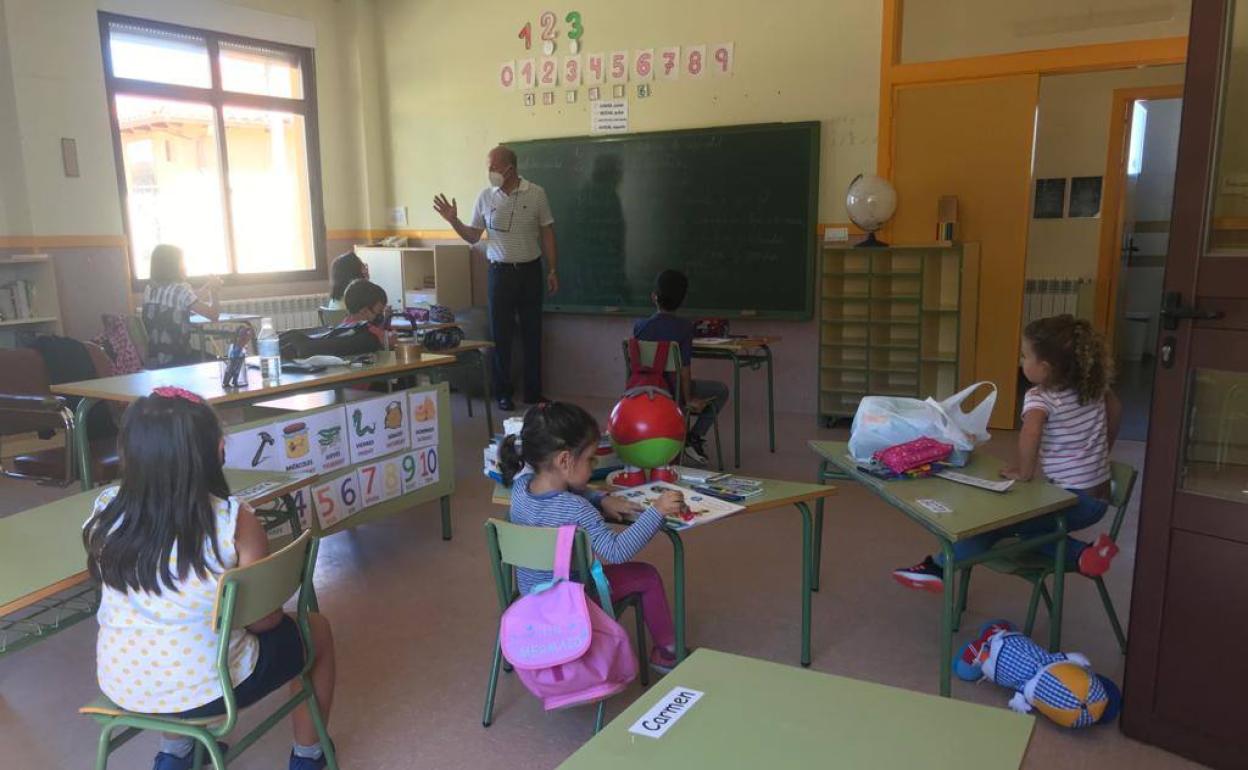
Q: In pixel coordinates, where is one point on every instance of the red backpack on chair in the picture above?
(648, 375)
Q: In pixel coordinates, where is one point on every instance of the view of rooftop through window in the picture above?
(214, 162)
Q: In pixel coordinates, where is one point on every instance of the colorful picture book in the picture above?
(702, 509)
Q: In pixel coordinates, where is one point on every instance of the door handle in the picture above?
(1173, 310)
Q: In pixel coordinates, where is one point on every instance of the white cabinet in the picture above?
(421, 275)
(28, 297)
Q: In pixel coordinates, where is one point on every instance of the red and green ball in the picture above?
(647, 428)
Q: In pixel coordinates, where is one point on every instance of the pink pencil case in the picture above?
(902, 457)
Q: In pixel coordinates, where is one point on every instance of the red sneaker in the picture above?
(1095, 559)
(927, 575)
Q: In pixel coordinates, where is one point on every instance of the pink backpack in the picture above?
(566, 649)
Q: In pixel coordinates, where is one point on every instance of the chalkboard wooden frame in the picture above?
(798, 311)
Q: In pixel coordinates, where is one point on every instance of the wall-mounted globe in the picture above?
(871, 201)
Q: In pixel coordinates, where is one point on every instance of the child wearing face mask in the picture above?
(548, 470)
(367, 302)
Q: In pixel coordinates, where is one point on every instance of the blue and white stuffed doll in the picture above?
(1060, 685)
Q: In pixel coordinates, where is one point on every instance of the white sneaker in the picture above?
(694, 457)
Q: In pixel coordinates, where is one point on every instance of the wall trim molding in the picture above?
(62, 241)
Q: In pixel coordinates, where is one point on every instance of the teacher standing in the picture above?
(516, 214)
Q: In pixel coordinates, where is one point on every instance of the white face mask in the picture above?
(497, 179)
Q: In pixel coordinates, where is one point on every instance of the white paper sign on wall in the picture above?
(608, 117)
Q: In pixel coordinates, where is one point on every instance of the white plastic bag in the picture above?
(884, 421)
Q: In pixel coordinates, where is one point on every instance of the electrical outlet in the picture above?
(398, 216)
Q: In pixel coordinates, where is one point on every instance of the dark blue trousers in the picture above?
(516, 292)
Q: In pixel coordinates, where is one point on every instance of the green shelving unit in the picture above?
(889, 324)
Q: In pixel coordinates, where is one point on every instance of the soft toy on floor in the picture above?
(1060, 685)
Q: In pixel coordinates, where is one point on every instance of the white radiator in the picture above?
(1044, 297)
(292, 312)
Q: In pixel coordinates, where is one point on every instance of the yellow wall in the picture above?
(988, 170)
(940, 29)
(1072, 135)
(795, 60)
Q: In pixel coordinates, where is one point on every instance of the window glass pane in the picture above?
(269, 203)
(173, 181)
(1228, 230)
(159, 55)
(1215, 453)
(252, 69)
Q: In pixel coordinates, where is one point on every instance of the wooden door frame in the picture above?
(1157, 522)
(1113, 198)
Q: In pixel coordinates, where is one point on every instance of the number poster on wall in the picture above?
(371, 451)
(552, 57)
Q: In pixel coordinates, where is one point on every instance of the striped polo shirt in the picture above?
(513, 221)
(555, 509)
(1074, 447)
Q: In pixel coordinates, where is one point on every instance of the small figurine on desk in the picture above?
(234, 373)
(647, 430)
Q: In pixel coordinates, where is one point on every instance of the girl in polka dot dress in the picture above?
(158, 544)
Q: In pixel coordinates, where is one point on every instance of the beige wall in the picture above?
(1072, 137)
(800, 60)
(939, 29)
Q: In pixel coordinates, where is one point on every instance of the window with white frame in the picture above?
(216, 148)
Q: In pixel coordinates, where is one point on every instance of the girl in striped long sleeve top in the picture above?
(1070, 421)
(548, 470)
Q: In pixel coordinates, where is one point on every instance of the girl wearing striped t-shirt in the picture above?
(548, 470)
(1070, 421)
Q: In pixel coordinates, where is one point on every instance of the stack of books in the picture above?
(17, 300)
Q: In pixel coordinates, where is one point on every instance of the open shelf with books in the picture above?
(28, 297)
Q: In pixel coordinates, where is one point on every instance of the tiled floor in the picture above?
(414, 619)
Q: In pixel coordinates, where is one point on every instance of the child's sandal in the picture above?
(1096, 558)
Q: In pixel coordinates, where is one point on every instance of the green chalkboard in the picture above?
(733, 207)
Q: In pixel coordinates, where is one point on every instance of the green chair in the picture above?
(245, 595)
(513, 545)
(673, 366)
(1036, 567)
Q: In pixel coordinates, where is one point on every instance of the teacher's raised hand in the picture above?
(448, 210)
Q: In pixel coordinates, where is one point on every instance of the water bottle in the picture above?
(270, 352)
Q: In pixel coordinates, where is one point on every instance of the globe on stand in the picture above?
(871, 201)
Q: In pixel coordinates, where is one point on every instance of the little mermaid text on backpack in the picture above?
(648, 375)
(566, 649)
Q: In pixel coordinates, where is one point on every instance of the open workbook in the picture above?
(703, 509)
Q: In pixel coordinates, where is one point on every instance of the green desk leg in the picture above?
(678, 591)
(807, 578)
(1059, 573)
(946, 619)
(82, 441)
(445, 502)
(485, 392)
(736, 410)
(771, 406)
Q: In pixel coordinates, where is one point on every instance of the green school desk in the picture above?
(41, 556)
(776, 494)
(743, 352)
(757, 714)
(974, 511)
(205, 379)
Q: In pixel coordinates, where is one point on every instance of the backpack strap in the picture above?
(634, 357)
(661, 352)
(563, 552)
